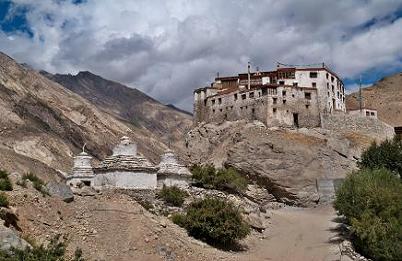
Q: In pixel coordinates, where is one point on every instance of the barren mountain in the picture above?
(129, 104)
(384, 96)
(44, 121)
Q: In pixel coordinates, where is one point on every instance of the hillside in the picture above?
(384, 96)
(129, 104)
(43, 121)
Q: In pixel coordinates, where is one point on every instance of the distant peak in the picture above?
(84, 73)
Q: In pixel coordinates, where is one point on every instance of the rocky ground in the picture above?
(113, 226)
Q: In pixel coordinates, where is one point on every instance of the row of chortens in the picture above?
(126, 169)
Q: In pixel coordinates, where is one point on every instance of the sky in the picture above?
(169, 48)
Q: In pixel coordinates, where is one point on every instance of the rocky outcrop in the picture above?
(286, 162)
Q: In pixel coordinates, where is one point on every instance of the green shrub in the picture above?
(146, 204)
(214, 221)
(37, 183)
(3, 200)
(224, 179)
(173, 195)
(387, 155)
(179, 219)
(54, 251)
(5, 183)
(371, 201)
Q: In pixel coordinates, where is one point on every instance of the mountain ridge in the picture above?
(129, 104)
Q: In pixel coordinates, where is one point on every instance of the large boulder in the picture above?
(60, 190)
(10, 239)
(286, 162)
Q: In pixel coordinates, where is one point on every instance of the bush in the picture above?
(371, 201)
(214, 221)
(37, 183)
(146, 204)
(3, 200)
(173, 196)
(387, 155)
(228, 180)
(5, 183)
(54, 251)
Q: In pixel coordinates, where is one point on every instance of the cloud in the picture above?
(169, 48)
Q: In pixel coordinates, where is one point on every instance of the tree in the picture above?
(371, 201)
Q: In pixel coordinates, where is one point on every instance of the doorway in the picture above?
(296, 120)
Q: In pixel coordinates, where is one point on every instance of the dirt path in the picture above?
(297, 234)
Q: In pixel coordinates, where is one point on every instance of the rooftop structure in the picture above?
(287, 96)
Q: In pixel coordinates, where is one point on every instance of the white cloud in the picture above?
(168, 48)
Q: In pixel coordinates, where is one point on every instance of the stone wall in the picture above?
(364, 125)
(126, 180)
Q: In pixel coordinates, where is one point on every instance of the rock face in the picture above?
(286, 162)
(384, 96)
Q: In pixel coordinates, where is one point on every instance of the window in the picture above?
(284, 101)
(313, 74)
(252, 110)
(333, 89)
(367, 113)
(213, 101)
(327, 76)
(251, 95)
(327, 85)
(220, 110)
(220, 100)
(275, 100)
(332, 78)
(307, 95)
(243, 96)
(281, 82)
(274, 110)
(213, 111)
(328, 94)
(307, 106)
(235, 96)
(372, 114)
(314, 84)
(283, 93)
(295, 84)
(264, 92)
